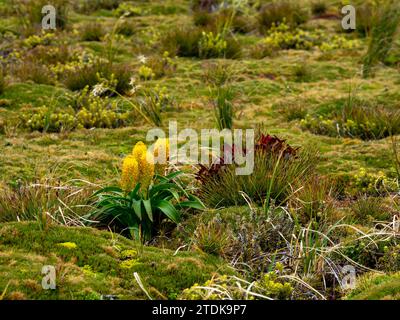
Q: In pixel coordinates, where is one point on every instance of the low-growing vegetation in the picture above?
(87, 111)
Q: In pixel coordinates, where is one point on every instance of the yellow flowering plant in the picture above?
(146, 195)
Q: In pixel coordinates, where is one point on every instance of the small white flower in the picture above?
(142, 59)
(132, 82)
(98, 90)
(134, 89)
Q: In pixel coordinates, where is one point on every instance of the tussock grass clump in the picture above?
(83, 76)
(92, 31)
(222, 95)
(34, 71)
(30, 14)
(302, 72)
(94, 5)
(50, 55)
(88, 75)
(276, 12)
(236, 21)
(365, 15)
(278, 170)
(182, 41)
(313, 202)
(202, 44)
(382, 35)
(368, 209)
(292, 111)
(356, 119)
(126, 28)
(47, 200)
(212, 237)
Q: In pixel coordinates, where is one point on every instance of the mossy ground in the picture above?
(90, 263)
(265, 87)
(377, 287)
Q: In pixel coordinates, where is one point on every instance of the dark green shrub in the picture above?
(92, 31)
(123, 75)
(276, 12)
(226, 18)
(88, 6)
(126, 28)
(184, 42)
(202, 18)
(204, 5)
(319, 7)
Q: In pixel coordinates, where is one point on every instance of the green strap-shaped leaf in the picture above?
(149, 211)
(116, 190)
(191, 204)
(160, 187)
(134, 193)
(137, 207)
(168, 209)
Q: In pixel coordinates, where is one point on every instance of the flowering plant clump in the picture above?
(146, 73)
(146, 195)
(269, 287)
(356, 122)
(212, 45)
(373, 183)
(281, 36)
(89, 111)
(42, 39)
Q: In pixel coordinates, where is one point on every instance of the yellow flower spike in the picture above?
(147, 170)
(130, 173)
(138, 150)
(161, 154)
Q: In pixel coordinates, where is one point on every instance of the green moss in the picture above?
(34, 94)
(376, 287)
(100, 264)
